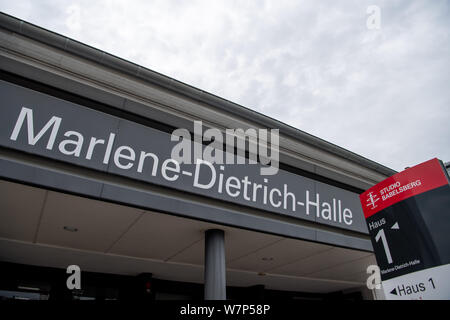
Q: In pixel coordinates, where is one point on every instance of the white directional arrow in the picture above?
(395, 226)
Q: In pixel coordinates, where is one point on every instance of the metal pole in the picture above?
(215, 282)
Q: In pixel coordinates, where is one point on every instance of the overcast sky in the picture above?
(382, 93)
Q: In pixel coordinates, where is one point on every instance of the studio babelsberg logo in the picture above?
(371, 200)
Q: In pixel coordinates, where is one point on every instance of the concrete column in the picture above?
(215, 283)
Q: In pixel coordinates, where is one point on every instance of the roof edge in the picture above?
(103, 58)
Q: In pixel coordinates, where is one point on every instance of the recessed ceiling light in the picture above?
(70, 229)
(267, 259)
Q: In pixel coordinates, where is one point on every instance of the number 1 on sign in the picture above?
(381, 235)
(432, 282)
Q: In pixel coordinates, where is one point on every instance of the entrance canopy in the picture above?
(54, 229)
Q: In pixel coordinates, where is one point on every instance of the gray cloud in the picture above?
(314, 65)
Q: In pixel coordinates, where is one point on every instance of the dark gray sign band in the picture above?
(37, 123)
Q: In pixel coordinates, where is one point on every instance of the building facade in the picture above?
(88, 179)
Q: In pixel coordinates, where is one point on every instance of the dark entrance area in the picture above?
(25, 282)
